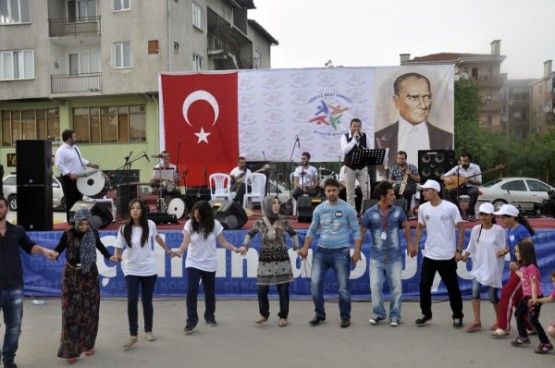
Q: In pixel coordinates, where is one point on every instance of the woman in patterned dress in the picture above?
(80, 288)
(274, 264)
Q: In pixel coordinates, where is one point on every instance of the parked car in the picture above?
(10, 192)
(525, 193)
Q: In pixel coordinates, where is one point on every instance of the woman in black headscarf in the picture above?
(80, 289)
(274, 264)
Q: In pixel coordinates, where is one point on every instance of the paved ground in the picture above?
(238, 342)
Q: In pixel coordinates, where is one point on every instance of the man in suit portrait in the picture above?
(412, 132)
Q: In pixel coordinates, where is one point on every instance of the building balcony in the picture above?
(64, 27)
(491, 105)
(79, 83)
(490, 81)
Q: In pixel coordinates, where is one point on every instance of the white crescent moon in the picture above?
(200, 95)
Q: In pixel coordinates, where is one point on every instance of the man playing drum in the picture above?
(166, 178)
(70, 163)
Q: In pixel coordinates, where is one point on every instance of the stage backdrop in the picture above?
(236, 275)
(210, 118)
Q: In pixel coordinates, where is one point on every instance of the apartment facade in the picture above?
(93, 66)
(542, 101)
(485, 68)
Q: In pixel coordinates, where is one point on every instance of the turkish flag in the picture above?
(200, 119)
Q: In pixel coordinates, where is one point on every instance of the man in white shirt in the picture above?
(70, 162)
(440, 219)
(169, 185)
(238, 175)
(464, 179)
(306, 179)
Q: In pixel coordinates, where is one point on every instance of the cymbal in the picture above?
(158, 156)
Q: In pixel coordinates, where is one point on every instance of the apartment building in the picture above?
(93, 66)
(516, 107)
(485, 68)
(542, 100)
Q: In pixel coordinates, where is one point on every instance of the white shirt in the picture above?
(412, 138)
(160, 166)
(137, 260)
(67, 160)
(487, 267)
(472, 170)
(201, 253)
(309, 176)
(440, 224)
(346, 146)
(237, 172)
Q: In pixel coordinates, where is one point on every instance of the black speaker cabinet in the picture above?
(124, 194)
(230, 214)
(306, 206)
(101, 213)
(434, 163)
(34, 207)
(34, 162)
(199, 194)
(401, 202)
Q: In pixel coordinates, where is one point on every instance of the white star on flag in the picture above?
(202, 135)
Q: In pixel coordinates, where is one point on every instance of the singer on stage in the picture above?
(306, 178)
(350, 143)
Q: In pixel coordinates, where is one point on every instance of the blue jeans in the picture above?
(390, 271)
(147, 284)
(11, 305)
(194, 276)
(493, 292)
(339, 260)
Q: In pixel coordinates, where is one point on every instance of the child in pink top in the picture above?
(529, 274)
(548, 299)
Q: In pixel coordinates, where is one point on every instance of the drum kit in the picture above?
(325, 174)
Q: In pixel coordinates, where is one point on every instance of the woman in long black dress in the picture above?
(80, 288)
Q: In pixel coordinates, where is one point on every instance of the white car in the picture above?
(525, 193)
(10, 192)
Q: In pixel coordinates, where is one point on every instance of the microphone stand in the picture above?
(296, 143)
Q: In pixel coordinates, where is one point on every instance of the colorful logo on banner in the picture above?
(329, 108)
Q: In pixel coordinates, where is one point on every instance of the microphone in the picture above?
(128, 157)
(146, 156)
(298, 141)
(264, 154)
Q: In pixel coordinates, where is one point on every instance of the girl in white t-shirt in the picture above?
(487, 250)
(199, 236)
(139, 267)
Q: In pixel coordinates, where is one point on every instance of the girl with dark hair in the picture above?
(199, 235)
(274, 264)
(139, 267)
(529, 273)
(518, 230)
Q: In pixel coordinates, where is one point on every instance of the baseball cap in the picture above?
(507, 210)
(486, 208)
(430, 184)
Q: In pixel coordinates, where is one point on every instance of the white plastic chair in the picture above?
(255, 189)
(293, 200)
(220, 186)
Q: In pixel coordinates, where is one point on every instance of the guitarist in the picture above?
(238, 175)
(403, 171)
(469, 177)
(306, 178)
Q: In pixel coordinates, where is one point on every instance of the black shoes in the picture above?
(345, 323)
(457, 322)
(316, 320)
(212, 323)
(189, 329)
(10, 364)
(422, 320)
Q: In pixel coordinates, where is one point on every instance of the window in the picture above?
(81, 10)
(110, 124)
(197, 16)
(120, 5)
(29, 124)
(257, 59)
(14, 11)
(514, 185)
(197, 62)
(537, 186)
(17, 64)
(122, 55)
(84, 62)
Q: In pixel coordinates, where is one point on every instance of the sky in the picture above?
(374, 33)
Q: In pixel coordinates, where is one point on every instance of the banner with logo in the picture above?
(276, 114)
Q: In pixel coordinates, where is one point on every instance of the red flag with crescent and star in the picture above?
(200, 118)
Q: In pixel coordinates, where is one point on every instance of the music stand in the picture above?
(368, 157)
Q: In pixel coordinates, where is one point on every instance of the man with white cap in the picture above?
(440, 218)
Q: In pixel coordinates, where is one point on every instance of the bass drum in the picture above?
(94, 185)
(177, 207)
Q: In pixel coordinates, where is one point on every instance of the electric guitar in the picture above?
(236, 182)
(454, 181)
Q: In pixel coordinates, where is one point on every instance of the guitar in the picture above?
(450, 182)
(238, 181)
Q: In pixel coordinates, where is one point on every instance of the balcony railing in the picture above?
(76, 83)
(491, 105)
(74, 27)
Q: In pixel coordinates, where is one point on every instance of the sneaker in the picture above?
(149, 336)
(90, 352)
(188, 329)
(282, 322)
(494, 327)
(345, 323)
(457, 322)
(394, 323)
(499, 332)
(520, 340)
(212, 323)
(375, 320)
(544, 348)
(422, 320)
(316, 320)
(260, 320)
(11, 364)
(129, 342)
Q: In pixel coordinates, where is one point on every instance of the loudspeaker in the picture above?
(34, 162)
(401, 202)
(306, 206)
(34, 207)
(124, 195)
(198, 194)
(434, 163)
(230, 214)
(101, 216)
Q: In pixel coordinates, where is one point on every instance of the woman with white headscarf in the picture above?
(80, 288)
(274, 264)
